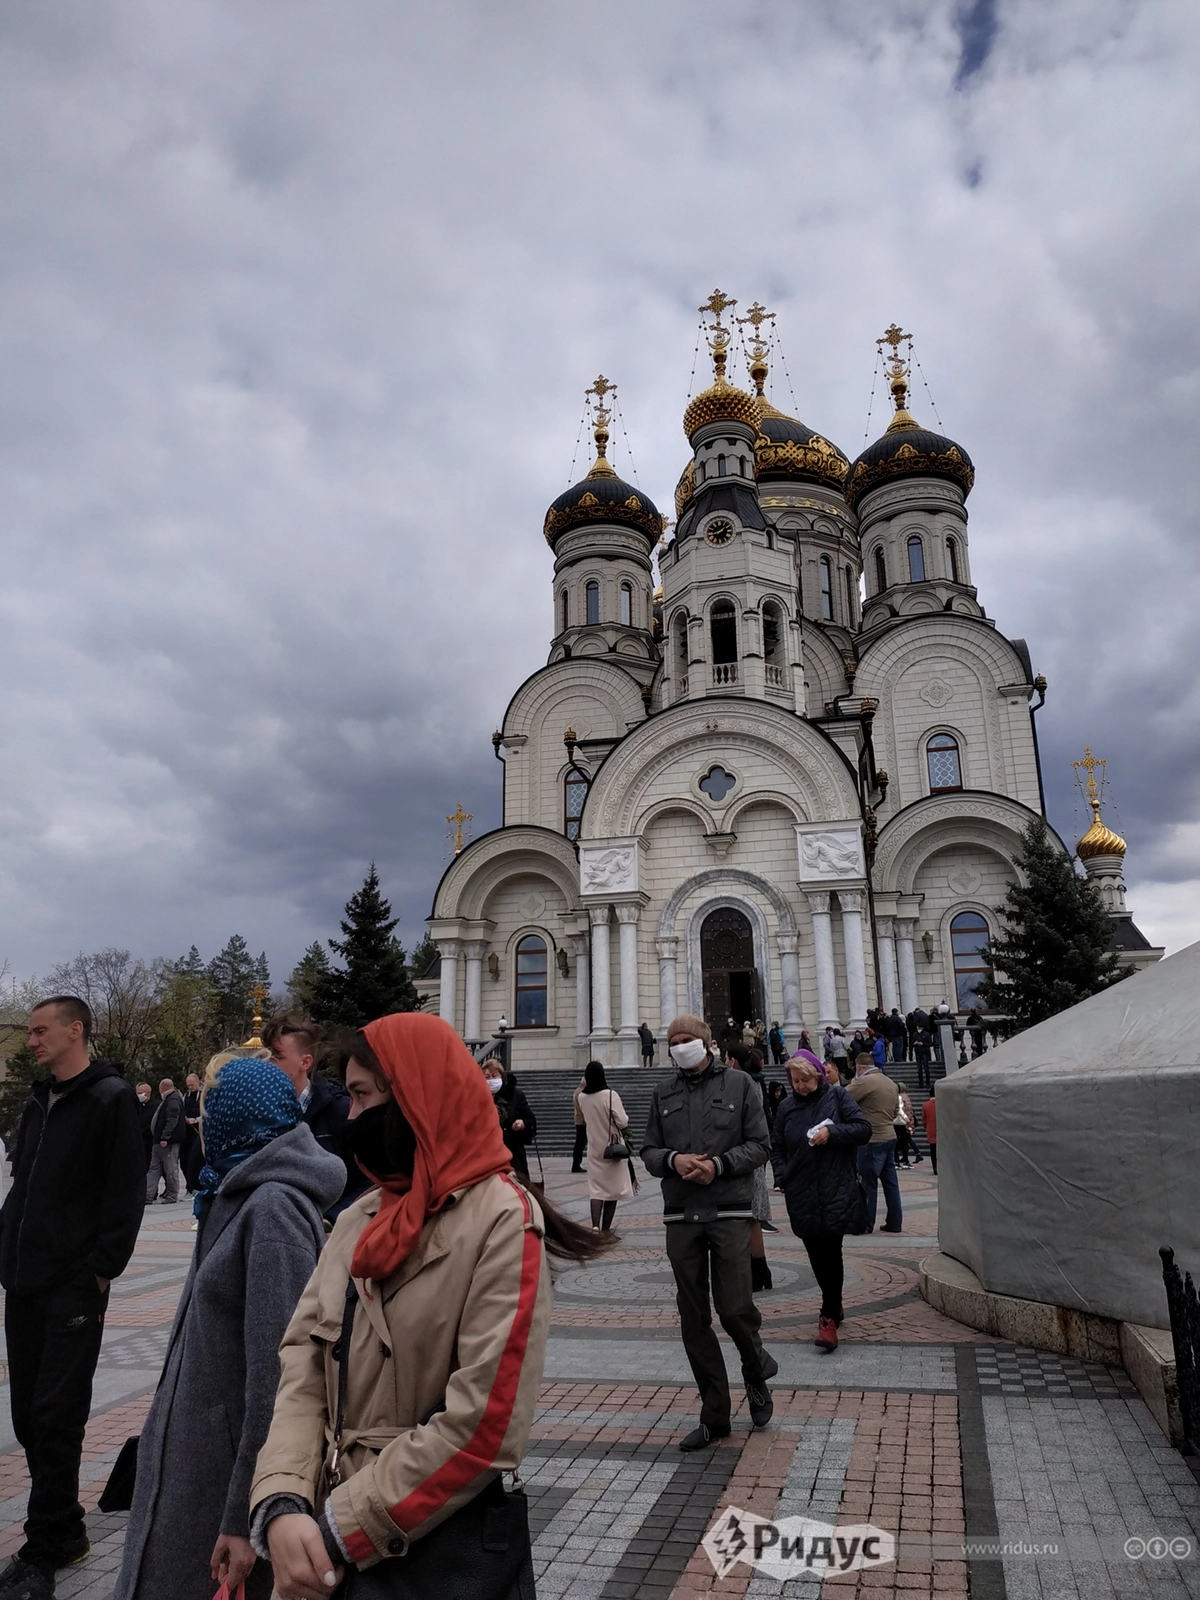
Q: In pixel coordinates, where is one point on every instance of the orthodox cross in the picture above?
(456, 819)
(600, 388)
(895, 337)
(755, 317)
(1089, 764)
(716, 303)
(718, 336)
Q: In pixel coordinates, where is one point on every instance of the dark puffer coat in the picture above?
(820, 1182)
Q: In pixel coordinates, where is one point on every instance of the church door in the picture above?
(727, 965)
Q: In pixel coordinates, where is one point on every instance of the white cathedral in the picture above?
(788, 784)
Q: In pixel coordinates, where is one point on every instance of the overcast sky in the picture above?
(297, 306)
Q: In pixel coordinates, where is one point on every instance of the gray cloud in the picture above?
(298, 306)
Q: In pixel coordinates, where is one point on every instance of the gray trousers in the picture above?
(717, 1254)
(164, 1164)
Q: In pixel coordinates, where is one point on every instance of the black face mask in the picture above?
(382, 1141)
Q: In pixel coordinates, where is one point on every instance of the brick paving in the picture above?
(916, 1425)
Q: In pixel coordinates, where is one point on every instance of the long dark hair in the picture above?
(593, 1078)
(565, 1240)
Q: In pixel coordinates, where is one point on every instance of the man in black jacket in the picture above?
(705, 1135)
(292, 1041)
(68, 1228)
(167, 1128)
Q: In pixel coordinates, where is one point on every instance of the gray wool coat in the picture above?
(255, 1251)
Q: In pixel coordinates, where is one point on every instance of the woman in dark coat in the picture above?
(518, 1125)
(263, 1188)
(817, 1131)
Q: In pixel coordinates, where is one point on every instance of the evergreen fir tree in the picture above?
(22, 1072)
(1056, 947)
(308, 972)
(233, 973)
(423, 956)
(375, 979)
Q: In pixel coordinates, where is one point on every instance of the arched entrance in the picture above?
(727, 966)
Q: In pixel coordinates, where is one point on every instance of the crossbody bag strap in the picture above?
(343, 1360)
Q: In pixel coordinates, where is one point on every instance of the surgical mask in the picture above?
(687, 1057)
(495, 1085)
(145, 1099)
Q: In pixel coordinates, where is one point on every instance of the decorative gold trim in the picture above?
(951, 463)
(685, 489)
(816, 456)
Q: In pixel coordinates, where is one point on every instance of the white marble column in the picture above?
(889, 995)
(627, 921)
(789, 972)
(827, 1010)
(601, 979)
(448, 993)
(473, 952)
(583, 987)
(668, 1006)
(851, 902)
(906, 962)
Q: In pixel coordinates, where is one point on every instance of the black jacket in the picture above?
(719, 1113)
(78, 1186)
(512, 1106)
(168, 1123)
(820, 1182)
(327, 1112)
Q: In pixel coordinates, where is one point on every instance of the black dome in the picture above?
(786, 449)
(603, 497)
(909, 452)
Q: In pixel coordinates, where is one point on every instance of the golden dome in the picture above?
(722, 403)
(1099, 840)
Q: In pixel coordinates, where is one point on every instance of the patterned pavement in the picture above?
(916, 1425)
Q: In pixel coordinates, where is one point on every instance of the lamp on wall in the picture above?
(493, 966)
(563, 964)
(927, 944)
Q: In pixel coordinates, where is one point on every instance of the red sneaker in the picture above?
(826, 1334)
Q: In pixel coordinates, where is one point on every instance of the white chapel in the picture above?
(787, 784)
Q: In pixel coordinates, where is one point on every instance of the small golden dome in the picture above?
(722, 403)
(1100, 841)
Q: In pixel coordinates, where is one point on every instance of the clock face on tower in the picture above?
(719, 531)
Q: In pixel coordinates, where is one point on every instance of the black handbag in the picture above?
(117, 1494)
(482, 1552)
(616, 1149)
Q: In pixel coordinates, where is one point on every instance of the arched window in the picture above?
(702, 471)
(849, 579)
(952, 558)
(564, 611)
(881, 582)
(916, 560)
(968, 940)
(720, 466)
(742, 466)
(626, 605)
(591, 597)
(723, 626)
(772, 629)
(945, 769)
(532, 968)
(826, 589)
(574, 794)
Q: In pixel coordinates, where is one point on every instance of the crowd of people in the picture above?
(356, 1353)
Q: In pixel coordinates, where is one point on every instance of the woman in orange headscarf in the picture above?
(431, 1303)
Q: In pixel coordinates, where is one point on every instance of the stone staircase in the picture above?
(550, 1094)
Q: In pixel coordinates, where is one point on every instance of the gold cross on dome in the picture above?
(601, 387)
(1089, 764)
(456, 819)
(716, 303)
(756, 316)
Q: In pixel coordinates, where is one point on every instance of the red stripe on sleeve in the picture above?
(358, 1546)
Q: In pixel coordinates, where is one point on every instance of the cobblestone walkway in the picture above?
(916, 1425)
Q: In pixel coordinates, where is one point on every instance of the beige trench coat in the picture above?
(462, 1324)
(607, 1180)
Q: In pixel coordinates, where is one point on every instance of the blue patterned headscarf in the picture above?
(251, 1103)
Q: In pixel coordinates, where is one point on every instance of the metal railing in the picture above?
(1184, 1306)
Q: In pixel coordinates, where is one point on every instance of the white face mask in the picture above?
(687, 1057)
(144, 1098)
(495, 1085)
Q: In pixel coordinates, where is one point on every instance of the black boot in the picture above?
(760, 1274)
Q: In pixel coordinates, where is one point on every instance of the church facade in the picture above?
(788, 784)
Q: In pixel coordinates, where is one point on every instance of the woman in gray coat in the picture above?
(264, 1185)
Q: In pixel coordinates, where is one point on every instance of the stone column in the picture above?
(668, 1007)
(905, 961)
(789, 972)
(448, 994)
(583, 987)
(601, 980)
(851, 902)
(472, 1020)
(827, 1011)
(889, 996)
(627, 921)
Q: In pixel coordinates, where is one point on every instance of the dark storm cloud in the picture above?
(298, 304)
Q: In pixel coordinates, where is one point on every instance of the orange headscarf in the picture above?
(441, 1091)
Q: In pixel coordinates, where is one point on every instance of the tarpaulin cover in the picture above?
(1070, 1154)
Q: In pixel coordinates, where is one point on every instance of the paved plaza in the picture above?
(916, 1425)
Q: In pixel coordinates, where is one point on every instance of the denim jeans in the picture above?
(877, 1165)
